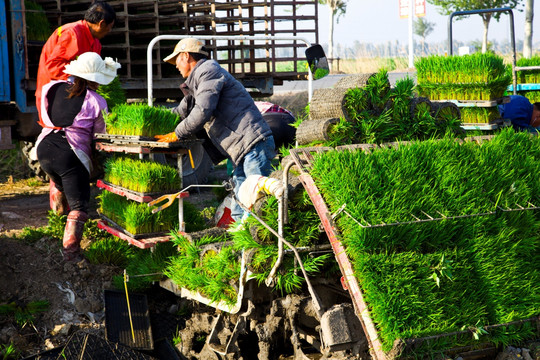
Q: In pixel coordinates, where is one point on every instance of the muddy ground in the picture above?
(35, 271)
(75, 292)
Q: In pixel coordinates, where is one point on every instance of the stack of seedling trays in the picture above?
(430, 238)
(475, 83)
(528, 81)
(127, 320)
(130, 183)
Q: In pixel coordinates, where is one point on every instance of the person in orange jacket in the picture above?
(64, 45)
(71, 40)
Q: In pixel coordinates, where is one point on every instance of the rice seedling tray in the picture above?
(142, 243)
(88, 346)
(478, 103)
(402, 347)
(135, 236)
(138, 149)
(140, 197)
(144, 141)
(478, 126)
(128, 324)
(244, 287)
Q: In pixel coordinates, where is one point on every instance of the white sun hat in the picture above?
(92, 67)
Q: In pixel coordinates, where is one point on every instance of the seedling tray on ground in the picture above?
(143, 243)
(404, 348)
(92, 347)
(141, 197)
(118, 324)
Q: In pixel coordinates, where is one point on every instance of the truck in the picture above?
(259, 64)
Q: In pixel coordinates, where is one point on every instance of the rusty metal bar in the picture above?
(345, 266)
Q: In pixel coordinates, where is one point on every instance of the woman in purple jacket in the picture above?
(72, 113)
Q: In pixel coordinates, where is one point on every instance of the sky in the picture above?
(377, 21)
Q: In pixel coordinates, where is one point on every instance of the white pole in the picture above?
(210, 37)
(411, 45)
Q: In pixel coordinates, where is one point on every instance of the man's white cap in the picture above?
(92, 67)
(189, 45)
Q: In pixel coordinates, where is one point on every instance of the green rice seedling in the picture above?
(8, 351)
(56, 224)
(377, 89)
(137, 218)
(427, 309)
(436, 277)
(380, 114)
(213, 275)
(478, 115)
(469, 77)
(401, 96)
(356, 103)
(141, 176)
(37, 24)
(140, 120)
(302, 229)
(528, 76)
(533, 96)
(23, 314)
(110, 251)
(31, 235)
(504, 336)
(177, 338)
(113, 93)
(146, 267)
(287, 280)
(341, 133)
(376, 129)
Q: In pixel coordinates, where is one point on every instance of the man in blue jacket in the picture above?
(523, 114)
(216, 102)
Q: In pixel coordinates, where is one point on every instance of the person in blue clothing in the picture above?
(522, 114)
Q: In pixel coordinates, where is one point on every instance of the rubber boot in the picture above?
(57, 200)
(73, 233)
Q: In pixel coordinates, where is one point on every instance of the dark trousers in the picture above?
(70, 176)
(283, 132)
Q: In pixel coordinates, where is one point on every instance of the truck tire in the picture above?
(202, 166)
(37, 171)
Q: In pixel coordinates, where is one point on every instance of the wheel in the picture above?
(26, 148)
(202, 166)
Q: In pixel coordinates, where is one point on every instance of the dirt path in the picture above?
(21, 211)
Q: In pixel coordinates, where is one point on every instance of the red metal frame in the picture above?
(130, 195)
(140, 243)
(348, 280)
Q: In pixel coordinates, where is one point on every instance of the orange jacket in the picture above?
(64, 45)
